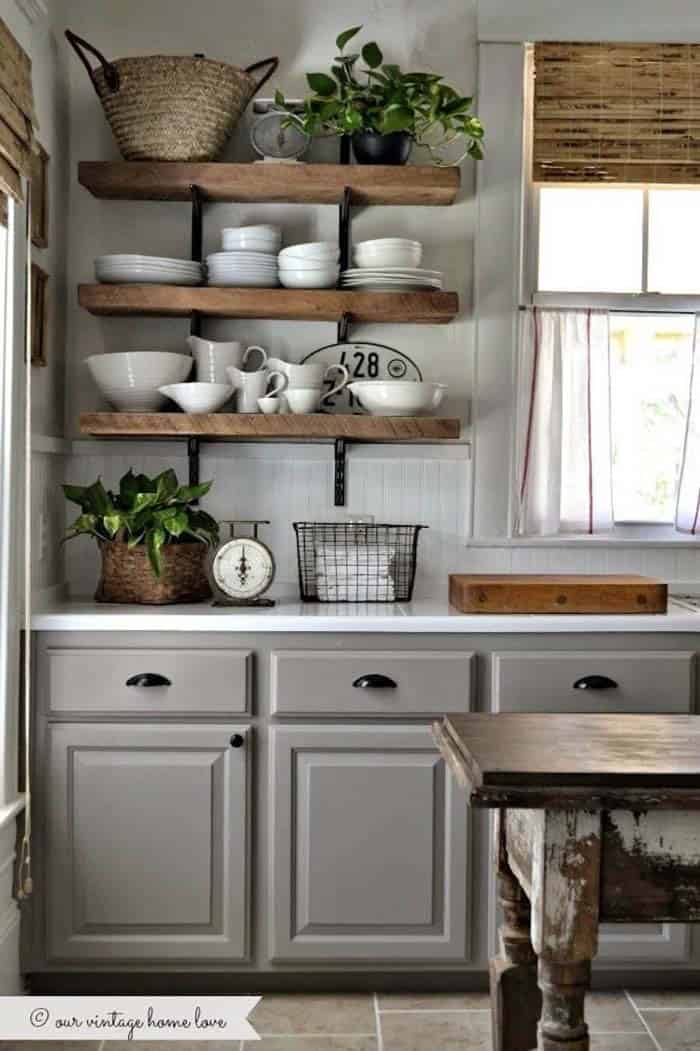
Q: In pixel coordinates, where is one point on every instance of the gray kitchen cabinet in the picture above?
(147, 843)
(369, 847)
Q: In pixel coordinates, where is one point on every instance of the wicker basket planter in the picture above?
(171, 107)
(127, 575)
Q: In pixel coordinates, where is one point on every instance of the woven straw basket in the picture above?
(127, 575)
(171, 108)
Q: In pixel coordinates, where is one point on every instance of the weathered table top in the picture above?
(575, 761)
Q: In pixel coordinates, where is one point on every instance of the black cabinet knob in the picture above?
(148, 678)
(237, 741)
(374, 682)
(595, 682)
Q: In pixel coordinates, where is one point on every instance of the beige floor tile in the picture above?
(434, 1002)
(436, 1032)
(313, 1043)
(675, 1030)
(611, 1013)
(622, 1042)
(281, 1014)
(644, 999)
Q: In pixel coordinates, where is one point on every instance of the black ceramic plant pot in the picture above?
(370, 147)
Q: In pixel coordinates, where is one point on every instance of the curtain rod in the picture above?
(609, 310)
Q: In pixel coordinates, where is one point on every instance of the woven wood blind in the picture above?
(617, 113)
(17, 116)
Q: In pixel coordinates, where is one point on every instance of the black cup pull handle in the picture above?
(595, 682)
(148, 678)
(374, 682)
(237, 741)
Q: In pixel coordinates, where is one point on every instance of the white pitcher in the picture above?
(212, 358)
(312, 374)
(253, 385)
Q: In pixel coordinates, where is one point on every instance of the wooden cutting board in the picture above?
(547, 593)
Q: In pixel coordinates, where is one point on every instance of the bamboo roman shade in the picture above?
(17, 117)
(617, 113)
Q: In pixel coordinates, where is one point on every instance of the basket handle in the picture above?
(110, 71)
(273, 63)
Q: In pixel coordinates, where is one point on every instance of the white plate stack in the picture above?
(147, 270)
(249, 258)
(390, 264)
(312, 265)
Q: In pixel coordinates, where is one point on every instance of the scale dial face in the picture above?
(243, 568)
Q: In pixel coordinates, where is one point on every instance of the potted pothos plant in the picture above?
(152, 537)
(385, 110)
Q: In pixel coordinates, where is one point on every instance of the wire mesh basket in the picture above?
(356, 562)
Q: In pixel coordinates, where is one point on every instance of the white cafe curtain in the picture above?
(688, 505)
(563, 432)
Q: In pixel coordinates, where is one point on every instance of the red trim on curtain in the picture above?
(589, 423)
(533, 391)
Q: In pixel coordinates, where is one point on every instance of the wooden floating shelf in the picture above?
(260, 183)
(433, 308)
(252, 427)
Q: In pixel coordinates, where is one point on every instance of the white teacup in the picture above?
(253, 385)
(212, 358)
(303, 400)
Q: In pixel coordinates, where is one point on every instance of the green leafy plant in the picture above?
(151, 511)
(385, 100)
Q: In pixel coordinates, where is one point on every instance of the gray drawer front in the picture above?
(320, 682)
(202, 681)
(543, 682)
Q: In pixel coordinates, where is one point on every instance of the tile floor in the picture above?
(618, 1021)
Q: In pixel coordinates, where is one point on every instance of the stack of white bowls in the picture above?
(249, 258)
(313, 265)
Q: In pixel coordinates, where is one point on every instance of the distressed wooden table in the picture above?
(598, 821)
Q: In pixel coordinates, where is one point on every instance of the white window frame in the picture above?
(505, 277)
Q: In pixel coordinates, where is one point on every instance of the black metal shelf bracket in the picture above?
(197, 224)
(344, 228)
(193, 447)
(343, 326)
(341, 448)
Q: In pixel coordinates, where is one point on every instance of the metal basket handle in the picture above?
(110, 71)
(273, 63)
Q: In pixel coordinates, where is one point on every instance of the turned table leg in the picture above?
(515, 997)
(565, 900)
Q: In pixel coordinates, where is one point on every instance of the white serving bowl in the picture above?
(308, 264)
(390, 256)
(316, 278)
(198, 398)
(252, 238)
(130, 379)
(398, 397)
(312, 250)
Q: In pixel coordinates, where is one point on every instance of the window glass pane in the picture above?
(650, 362)
(674, 237)
(590, 239)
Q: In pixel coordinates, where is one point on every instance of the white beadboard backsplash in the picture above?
(401, 484)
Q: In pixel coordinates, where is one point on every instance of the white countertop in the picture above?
(420, 617)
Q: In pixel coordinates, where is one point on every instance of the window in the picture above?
(633, 250)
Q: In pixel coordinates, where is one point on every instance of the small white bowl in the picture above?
(327, 278)
(197, 398)
(308, 264)
(398, 397)
(312, 250)
(398, 255)
(270, 405)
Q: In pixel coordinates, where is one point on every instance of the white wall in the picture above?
(439, 36)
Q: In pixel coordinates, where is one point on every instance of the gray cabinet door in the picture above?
(369, 847)
(147, 843)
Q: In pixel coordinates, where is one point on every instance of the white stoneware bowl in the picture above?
(318, 250)
(388, 251)
(262, 238)
(318, 277)
(398, 397)
(130, 379)
(197, 398)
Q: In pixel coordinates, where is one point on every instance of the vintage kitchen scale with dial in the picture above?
(243, 567)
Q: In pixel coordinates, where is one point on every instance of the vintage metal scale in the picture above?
(243, 567)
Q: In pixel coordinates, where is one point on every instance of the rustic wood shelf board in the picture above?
(437, 308)
(294, 183)
(251, 427)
